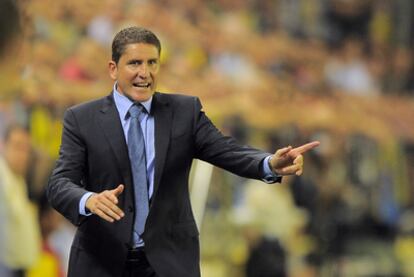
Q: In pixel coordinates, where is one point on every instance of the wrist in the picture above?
(270, 175)
(88, 203)
(83, 210)
(269, 163)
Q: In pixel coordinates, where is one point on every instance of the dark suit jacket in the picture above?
(94, 157)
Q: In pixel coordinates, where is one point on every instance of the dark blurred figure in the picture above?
(9, 24)
(267, 22)
(348, 18)
(267, 257)
(399, 80)
(10, 44)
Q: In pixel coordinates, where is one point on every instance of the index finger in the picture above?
(306, 147)
(109, 194)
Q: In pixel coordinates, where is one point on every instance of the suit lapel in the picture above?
(109, 121)
(163, 118)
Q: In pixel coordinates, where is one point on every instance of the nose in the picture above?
(143, 71)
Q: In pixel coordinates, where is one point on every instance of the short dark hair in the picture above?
(132, 35)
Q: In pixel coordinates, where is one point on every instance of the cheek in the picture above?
(154, 76)
(22, 159)
(128, 75)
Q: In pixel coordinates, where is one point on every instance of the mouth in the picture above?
(141, 85)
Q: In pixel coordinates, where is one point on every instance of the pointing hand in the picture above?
(289, 161)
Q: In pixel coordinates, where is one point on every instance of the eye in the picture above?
(135, 62)
(152, 62)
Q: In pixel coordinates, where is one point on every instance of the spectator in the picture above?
(103, 27)
(20, 236)
(267, 258)
(347, 71)
(400, 78)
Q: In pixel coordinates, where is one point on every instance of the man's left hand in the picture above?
(289, 161)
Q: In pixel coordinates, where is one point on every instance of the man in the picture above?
(20, 234)
(122, 174)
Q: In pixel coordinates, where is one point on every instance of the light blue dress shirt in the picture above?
(269, 176)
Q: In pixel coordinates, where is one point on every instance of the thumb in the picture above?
(282, 151)
(118, 190)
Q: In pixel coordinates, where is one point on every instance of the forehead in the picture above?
(140, 50)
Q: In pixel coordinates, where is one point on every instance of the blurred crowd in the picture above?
(269, 72)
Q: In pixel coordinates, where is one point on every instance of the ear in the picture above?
(113, 70)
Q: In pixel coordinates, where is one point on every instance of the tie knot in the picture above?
(136, 111)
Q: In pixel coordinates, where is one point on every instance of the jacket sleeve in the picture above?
(223, 151)
(66, 184)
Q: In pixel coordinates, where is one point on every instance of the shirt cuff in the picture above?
(82, 204)
(269, 176)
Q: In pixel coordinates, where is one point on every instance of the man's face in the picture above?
(136, 71)
(17, 151)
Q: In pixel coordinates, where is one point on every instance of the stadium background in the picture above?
(271, 73)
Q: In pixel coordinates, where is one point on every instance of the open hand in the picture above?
(289, 161)
(104, 204)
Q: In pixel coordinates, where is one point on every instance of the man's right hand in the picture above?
(104, 204)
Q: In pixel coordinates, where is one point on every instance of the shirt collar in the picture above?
(123, 103)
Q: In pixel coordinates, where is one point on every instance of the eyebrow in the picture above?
(134, 61)
(140, 61)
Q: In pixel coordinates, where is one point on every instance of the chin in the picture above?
(141, 97)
